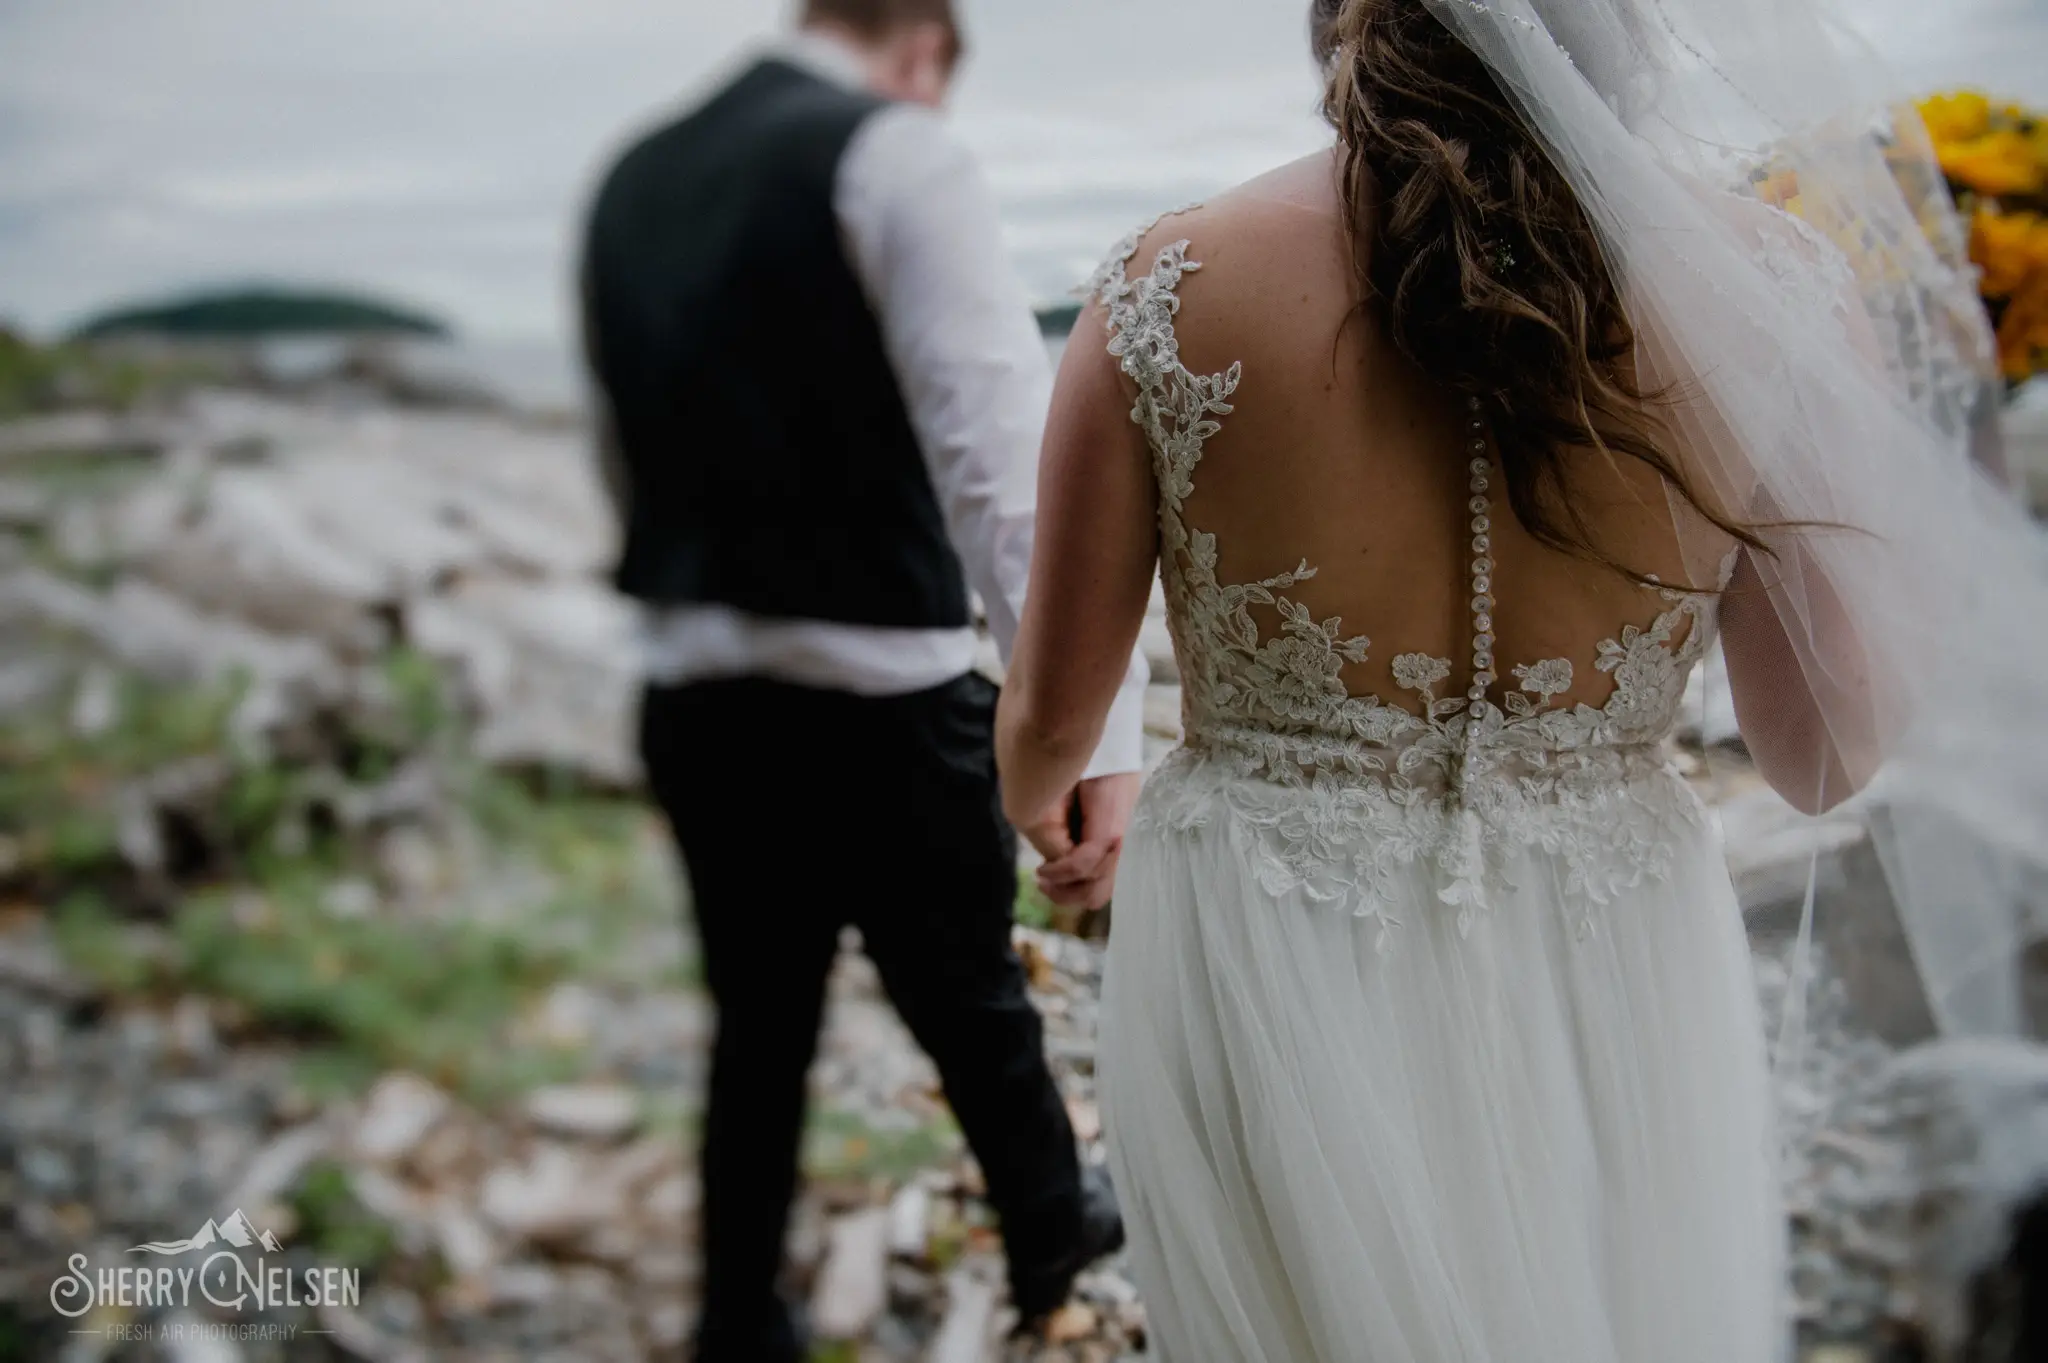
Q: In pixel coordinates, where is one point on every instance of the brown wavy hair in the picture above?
(1490, 275)
(874, 18)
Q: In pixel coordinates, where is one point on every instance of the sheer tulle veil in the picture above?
(1796, 273)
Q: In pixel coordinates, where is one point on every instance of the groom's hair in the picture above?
(875, 18)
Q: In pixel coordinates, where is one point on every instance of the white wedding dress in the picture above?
(1429, 1034)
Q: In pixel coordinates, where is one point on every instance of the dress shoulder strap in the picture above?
(1176, 407)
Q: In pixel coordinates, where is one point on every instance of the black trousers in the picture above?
(799, 811)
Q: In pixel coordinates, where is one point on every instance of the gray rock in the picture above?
(145, 518)
(30, 962)
(349, 897)
(1869, 948)
(465, 1243)
(2026, 450)
(524, 1285)
(592, 1112)
(969, 1326)
(353, 1333)
(552, 1196)
(31, 678)
(1156, 642)
(1973, 1115)
(909, 1221)
(667, 1325)
(81, 537)
(97, 705)
(74, 433)
(255, 552)
(140, 626)
(47, 1171)
(188, 1339)
(1162, 712)
(551, 666)
(192, 1030)
(396, 1117)
(24, 506)
(1772, 847)
(853, 1288)
(671, 1200)
(1707, 712)
(277, 1166)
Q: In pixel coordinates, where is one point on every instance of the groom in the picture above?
(822, 399)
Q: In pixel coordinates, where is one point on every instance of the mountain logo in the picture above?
(238, 1230)
(222, 1271)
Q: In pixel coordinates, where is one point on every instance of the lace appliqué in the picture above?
(1343, 796)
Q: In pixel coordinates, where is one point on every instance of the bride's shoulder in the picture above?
(1262, 224)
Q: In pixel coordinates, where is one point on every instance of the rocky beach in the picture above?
(327, 898)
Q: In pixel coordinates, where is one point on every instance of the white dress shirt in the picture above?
(922, 236)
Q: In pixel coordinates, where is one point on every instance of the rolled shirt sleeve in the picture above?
(922, 234)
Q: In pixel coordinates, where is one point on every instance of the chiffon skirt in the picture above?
(1536, 1142)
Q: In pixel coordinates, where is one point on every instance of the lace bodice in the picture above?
(1347, 791)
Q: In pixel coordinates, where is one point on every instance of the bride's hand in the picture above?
(1086, 873)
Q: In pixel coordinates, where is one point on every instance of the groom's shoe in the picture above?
(1043, 1290)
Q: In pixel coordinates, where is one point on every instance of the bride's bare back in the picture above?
(1340, 453)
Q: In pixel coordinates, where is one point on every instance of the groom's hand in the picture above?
(1084, 875)
(1051, 833)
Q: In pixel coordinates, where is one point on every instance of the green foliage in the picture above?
(846, 1146)
(416, 715)
(608, 892)
(263, 312)
(1033, 909)
(432, 997)
(436, 988)
(420, 694)
(341, 1231)
(97, 944)
(37, 378)
(58, 787)
(28, 375)
(835, 1351)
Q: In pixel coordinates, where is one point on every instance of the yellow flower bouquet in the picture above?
(1995, 158)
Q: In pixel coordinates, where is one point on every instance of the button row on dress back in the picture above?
(1482, 567)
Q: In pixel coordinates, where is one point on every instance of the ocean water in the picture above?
(404, 150)
(538, 374)
(442, 155)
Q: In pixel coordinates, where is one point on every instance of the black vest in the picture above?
(770, 462)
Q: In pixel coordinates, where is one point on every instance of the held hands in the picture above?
(1081, 874)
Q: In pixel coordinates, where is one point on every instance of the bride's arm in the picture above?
(1091, 577)
(1798, 664)
(1802, 696)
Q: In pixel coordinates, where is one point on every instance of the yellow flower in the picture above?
(1780, 189)
(2008, 248)
(1957, 117)
(2023, 332)
(2000, 162)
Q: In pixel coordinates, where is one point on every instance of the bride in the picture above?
(1429, 1031)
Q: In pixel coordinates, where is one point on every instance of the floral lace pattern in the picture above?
(1342, 795)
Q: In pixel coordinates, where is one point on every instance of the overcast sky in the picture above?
(439, 150)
